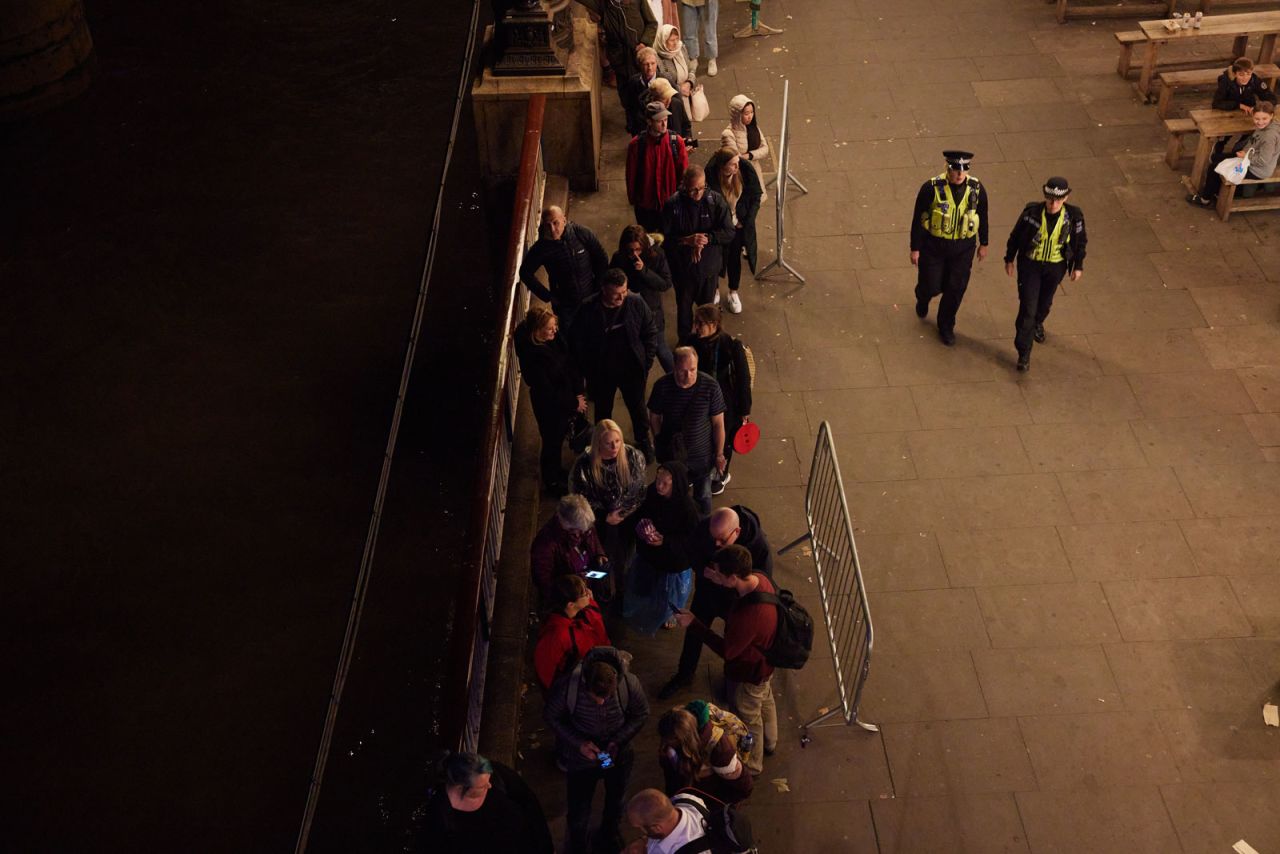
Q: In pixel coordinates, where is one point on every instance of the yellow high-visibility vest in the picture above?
(946, 218)
(1048, 247)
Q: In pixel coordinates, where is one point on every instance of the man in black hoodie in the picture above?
(725, 526)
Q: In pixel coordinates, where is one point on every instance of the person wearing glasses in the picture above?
(697, 225)
(726, 526)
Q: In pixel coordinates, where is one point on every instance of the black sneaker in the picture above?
(674, 686)
(718, 485)
(922, 308)
(1038, 334)
(948, 337)
(1024, 362)
(1201, 201)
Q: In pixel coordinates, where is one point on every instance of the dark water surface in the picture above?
(208, 270)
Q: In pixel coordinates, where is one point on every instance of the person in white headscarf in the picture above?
(673, 61)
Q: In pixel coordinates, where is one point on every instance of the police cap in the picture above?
(1056, 188)
(958, 160)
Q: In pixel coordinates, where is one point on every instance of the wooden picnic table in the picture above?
(1213, 125)
(1242, 26)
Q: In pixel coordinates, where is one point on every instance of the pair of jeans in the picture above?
(708, 16)
(692, 289)
(709, 602)
(754, 704)
(733, 258)
(605, 388)
(553, 428)
(700, 480)
(581, 788)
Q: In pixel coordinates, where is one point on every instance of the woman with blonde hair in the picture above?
(698, 749)
(735, 179)
(610, 474)
(660, 89)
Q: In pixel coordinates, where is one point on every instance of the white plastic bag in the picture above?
(1234, 169)
(700, 108)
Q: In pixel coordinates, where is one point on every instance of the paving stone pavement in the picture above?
(1073, 573)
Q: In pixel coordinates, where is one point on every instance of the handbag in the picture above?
(699, 109)
(579, 433)
(1234, 169)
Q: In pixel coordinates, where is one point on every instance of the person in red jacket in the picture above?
(566, 545)
(656, 158)
(574, 626)
(748, 629)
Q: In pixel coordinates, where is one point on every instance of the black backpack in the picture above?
(725, 830)
(794, 639)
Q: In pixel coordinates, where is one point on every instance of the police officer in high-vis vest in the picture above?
(1048, 241)
(949, 222)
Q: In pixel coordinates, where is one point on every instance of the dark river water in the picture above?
(209, 265)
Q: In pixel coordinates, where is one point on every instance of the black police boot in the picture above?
(922, 308)
(948, 336)
(1024, 361)
(1038, 334)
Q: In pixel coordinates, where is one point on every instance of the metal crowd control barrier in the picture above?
(783, 179)
(844, 596)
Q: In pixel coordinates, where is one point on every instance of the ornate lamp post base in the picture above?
(525, 43)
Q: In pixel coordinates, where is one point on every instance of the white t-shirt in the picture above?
(656, 6)
(688, 829)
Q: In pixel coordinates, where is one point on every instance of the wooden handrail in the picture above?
(462, 652)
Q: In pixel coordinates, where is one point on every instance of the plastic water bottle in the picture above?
(1199, 20)
(748, 742)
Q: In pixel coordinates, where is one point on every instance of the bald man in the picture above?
(574, 261)
(725, 526)
(671, 824)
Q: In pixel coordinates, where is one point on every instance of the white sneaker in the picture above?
(716, 301)
(735, 303)
(712, 71)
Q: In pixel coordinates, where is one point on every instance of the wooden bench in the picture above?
(1127, 41)
(1178, 128)
(1150, 9)
(1227, 201)
(1137, 37)
(1171, 81)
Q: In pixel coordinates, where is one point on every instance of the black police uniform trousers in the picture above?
(1037, 283)
(944, 268)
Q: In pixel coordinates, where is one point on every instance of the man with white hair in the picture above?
(634, 91)
(566, 545)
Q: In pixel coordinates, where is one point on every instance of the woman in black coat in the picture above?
(556, 388)
(648, 275)
(725, 358)
(736, 179)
